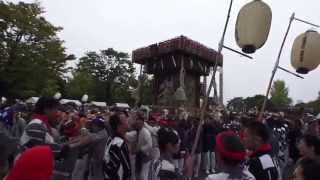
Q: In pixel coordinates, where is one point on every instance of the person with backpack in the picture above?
(231, 156)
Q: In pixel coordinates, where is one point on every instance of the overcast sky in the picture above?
(129, 24)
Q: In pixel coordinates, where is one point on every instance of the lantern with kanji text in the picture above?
(305, 53)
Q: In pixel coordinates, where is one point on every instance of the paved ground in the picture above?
(201, 177)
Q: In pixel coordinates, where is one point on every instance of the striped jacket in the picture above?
(116, 164)
(37, 133)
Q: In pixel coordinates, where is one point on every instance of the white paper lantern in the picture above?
(253, 26)
(305, 53)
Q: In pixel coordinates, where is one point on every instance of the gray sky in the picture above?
(129, 24)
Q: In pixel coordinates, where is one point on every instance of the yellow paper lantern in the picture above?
(253, 26)
(305, 53)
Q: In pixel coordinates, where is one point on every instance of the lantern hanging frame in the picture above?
(276, 65)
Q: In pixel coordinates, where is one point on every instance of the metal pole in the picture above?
(205, 102)
(275, 69)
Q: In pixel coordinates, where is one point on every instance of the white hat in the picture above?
(84, 98)
(57, 96)
(3, 99)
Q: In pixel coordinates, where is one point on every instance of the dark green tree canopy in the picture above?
(107, 65)
(280, 94)
(245, 104)
(236, 104)
(32, 57)
(108, 74)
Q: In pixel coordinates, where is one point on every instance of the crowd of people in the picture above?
(66, 142)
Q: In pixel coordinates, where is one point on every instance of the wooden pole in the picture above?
(205, 102)
(276, 66)
(205, 84)
(260, 118)
(139, 101)
(221, 85)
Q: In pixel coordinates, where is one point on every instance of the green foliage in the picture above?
(236, 104)
(109, 75)
(50, 87)
(312, 106)
(81, 83)
(255, 101)
(32, 58)
(315, 106)
(280, 94)
(245, 104)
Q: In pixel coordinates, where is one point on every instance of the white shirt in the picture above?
(144, 141)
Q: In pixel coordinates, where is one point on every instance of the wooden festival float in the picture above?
(177, 65)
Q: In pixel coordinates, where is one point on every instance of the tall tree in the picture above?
(255, 101)
(81, 83)
(237, 104)
(32, 58)
(314, 105)
(147, 97)
(113, 73)
(280, 94)
(142, 93)
(249, 103)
